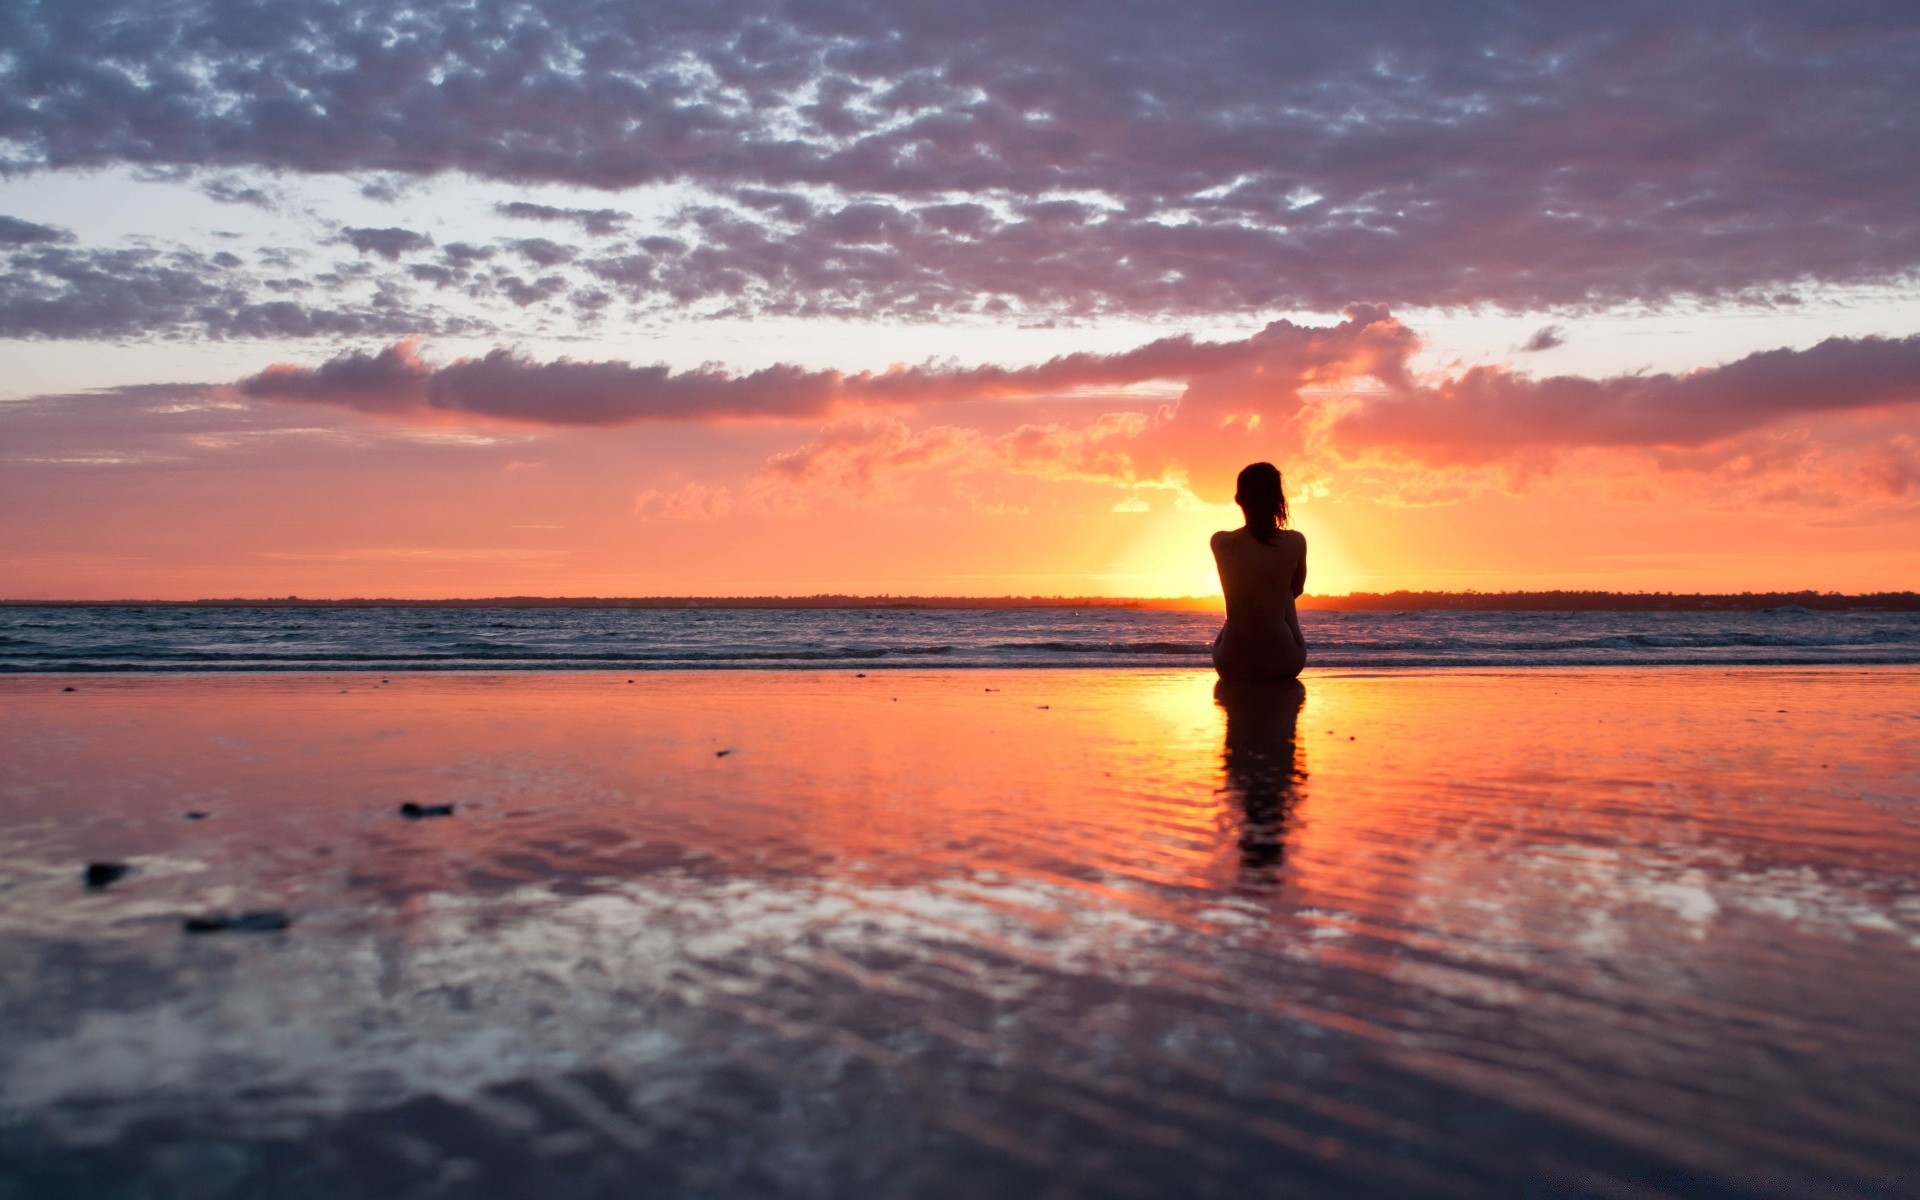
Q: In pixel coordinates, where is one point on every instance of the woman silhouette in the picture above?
(1263, 566)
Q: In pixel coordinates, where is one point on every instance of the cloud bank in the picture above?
(869, 157)
(1335, 396)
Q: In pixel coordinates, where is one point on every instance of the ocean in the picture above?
(133, 638)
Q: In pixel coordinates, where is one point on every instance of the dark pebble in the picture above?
(721, 753)
(859, 674)
(413, 812)
(69, 689)
(100, 874)
(195, 815)
(265, 920)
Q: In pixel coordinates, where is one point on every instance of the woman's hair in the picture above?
(1258, 493)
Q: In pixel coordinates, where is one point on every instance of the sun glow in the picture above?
(1169, 556)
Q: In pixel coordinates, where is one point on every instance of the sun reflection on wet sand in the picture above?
(965, 933)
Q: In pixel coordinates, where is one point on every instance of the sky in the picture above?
(333, 298)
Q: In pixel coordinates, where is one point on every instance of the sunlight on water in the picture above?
(975, 933)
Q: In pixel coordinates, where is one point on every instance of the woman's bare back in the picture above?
(1261, 638)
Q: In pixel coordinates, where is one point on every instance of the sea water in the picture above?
(389, 639)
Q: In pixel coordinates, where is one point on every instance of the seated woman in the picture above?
(1263, 566)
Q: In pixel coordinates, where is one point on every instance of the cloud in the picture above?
(855, 453)
(506, 386)
(15, 232)
(1547, 337)
(921, 157)
(541, 252)
(503, 386)
(600, 222)
(1344, 393)
(688, 502)
(1338, 405)
(50, 289)
(1894, 467)
(388, 243)
(1488, 413)
(227, 189)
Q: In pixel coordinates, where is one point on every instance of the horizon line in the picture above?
(1399, 598)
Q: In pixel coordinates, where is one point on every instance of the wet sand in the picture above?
(981, 933)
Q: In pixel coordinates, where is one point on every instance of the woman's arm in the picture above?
(1299, 586)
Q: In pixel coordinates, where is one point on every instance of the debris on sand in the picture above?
(69, 689)
(721, 753)
(413, 812)
(100, 874)
(265, 920)
(193, 814)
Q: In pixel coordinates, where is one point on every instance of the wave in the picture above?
(110, 640)
(1189, 648)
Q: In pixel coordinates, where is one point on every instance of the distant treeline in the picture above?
(1612, 601)
(1356, 602)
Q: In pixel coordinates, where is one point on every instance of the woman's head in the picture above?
(1258, 493)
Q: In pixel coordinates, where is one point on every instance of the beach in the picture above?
(1070, 932)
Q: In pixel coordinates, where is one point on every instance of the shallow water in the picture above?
(988, 933)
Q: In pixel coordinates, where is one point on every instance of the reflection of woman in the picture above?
(1263, 774)
(1263, 566)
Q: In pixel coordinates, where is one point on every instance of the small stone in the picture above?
(414, 812)
(1043, 707)
(264, 920)
(859, 674)
(100, 874)
(69, 689)
(721, 753)
(193, 815)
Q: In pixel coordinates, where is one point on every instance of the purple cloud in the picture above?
(1250, 390)
(921, 157)
(15, 232)
(1547, 337)
(388, 243)
(51, 289)
(1488, 413)
(599, 222)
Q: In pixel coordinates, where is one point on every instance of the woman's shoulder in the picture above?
(1229, 537)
